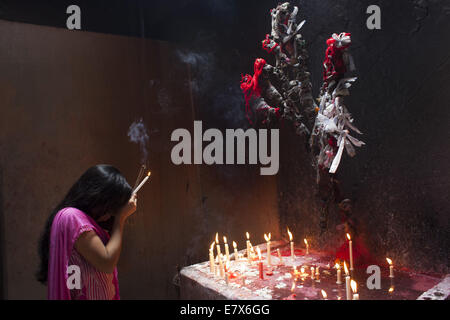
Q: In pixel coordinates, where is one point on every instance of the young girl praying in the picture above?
(74, 239)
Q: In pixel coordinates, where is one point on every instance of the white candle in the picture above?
(391, 268)
(292, 244)
(351, 251)
(269, 258)
(248, 245)
(142, 183)
(227, 249)
(339, 277)
(279, 257)
(211, 258)
(307, 246)
(217, 244)
(324, 294)
(222, 270)
(347, 283)
(312, 273)
(355, 293)
(236, 255)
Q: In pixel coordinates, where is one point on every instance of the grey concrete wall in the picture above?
(67, 100)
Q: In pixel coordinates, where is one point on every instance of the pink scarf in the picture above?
(67, 226)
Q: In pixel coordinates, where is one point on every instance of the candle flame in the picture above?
(324, 294)
(389, 261)
(353, 285)
(391, 289)
(337, 266)
(348, 237)
(290, 235)
(302, 270)
(148, 174)
(345, 268)
(224, 239)
(306, 241)
(267, 237)
(212, 246)
(234, 244)
(248, 235)
(259, 252)
(217, 238)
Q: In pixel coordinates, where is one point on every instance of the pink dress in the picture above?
(67, 226)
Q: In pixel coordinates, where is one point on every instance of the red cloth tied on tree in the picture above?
(250, 85)
(334, 65)
(266, 44)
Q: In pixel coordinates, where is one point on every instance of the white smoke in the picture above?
(138, 134)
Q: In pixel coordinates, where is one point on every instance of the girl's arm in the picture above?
(90, 246)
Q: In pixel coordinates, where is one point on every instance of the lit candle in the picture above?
(227, 249)
(236, 255)
(307, 246)
(227, 269)
(212, 264)
(347, 282)
(248, 245)
(351, 251)
(339, 277)
(292, 244)
(142, 183)
(391, 268)
(269, 259)
(355, 293)
(260, 264)
(312, 273)
(221, 267)
(324, 294)
(217, 244)
(279, 256)
(317, 273)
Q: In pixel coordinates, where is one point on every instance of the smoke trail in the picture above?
(202, 67)
(138, 134)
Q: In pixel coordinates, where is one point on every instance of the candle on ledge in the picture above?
(351, 251)
(347, 282)
(324, 294)
(339, 277)
(307, 246)
(279, 256)
(260, 264)
(227, 269)
(391, 268)
(218, 245)
(227, 249)
(355, 293)
(236, 255)
(142, 183)
(292, 244)
(221, 267)
(212, 264)
(248, 245)
(269, 259)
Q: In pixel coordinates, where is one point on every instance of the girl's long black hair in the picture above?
(101, 190)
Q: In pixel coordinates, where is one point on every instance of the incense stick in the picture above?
(141, 172)
(142, 183)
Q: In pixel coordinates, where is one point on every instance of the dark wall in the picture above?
(399, 181)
